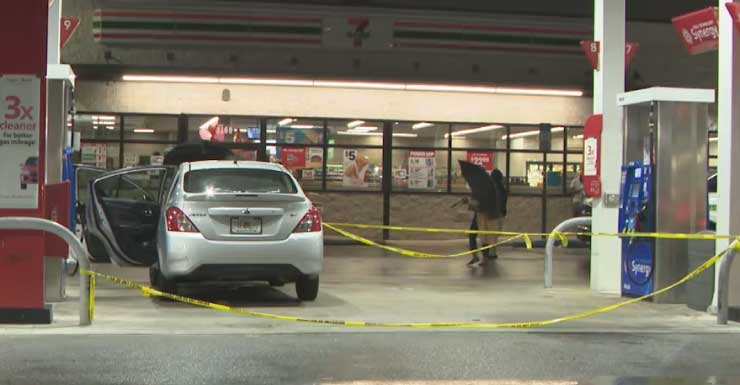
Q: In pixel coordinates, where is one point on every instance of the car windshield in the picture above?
(238, 181)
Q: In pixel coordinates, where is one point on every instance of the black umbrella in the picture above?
(481, 185)
(193, 152)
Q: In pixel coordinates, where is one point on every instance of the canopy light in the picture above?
(366, 133)
(460, 133)
(302, 126)
(357, 84)
(144, 130)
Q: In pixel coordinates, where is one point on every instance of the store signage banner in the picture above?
(19, 141)
(481, 158)
(591, 49)
(316, 157)
(299, 136)
(293, 157)
(355, 168)
(698, 30)
(422, 170)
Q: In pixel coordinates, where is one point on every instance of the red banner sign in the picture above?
(591, 49)
(293, 157)
(734, 9)
(481, 158)
(591, 156)
(698, 30)
(67, 27)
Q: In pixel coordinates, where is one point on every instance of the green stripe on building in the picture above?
(485, 38)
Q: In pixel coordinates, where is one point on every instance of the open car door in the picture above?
(123, 212)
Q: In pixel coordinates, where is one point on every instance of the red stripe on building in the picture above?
(107, 35)
(185, 16)
(480, 27)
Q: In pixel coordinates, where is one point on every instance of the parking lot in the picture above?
(367, 284)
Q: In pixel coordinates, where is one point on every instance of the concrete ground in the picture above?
(368, 284)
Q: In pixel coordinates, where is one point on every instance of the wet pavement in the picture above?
(367, 284)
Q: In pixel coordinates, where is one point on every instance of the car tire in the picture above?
(307, 287)
(160, 282)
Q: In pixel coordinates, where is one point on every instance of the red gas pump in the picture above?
(23, 26)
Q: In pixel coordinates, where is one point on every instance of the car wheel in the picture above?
(160, 282)
(307, 287)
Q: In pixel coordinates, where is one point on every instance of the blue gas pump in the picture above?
(68, 173)
(637, 214)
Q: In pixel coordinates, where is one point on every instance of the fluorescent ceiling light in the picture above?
(208, 123)
(366, 133)
(532, 133)
(358, 84)
(579, 136)
(271, 131)
(103, 118)
(286, 121)
(144, 130)
(365, 128)
(110, 127)
(420, 125)
(355, 123)
(170, 79)
(713, 139)
(302, 126)
(459, 133)
(369, 85)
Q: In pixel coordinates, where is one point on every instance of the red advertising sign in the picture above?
(591, 154)
(293, 157)
(698, 30)
(734, 9)
(67, 27)
(481, 158)
(591, 49)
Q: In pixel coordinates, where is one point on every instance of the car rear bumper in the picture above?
(189, 256)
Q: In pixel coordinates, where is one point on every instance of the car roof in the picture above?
(245, 164)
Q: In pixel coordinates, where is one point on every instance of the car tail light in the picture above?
(311, 221)
(179, 222)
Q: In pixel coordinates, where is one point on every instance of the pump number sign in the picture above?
(19, 146)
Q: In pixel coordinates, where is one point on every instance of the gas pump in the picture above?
(637, 215)
(663, 185)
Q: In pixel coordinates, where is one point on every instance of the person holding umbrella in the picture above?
(488, 201)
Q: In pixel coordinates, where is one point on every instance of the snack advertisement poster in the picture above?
(355, 166)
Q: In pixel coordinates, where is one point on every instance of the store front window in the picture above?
(481, 135)
(161, 128)
(354, 168)
(98, 126)
(224, 129)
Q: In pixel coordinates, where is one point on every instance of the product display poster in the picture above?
(293, 157)
(422, 170)
(481, 158)
(300, 136)
(19, 141)
(315, 157)
(355, 168)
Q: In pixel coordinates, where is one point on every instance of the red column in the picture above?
(23, 31)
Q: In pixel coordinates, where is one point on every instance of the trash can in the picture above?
(699, 291)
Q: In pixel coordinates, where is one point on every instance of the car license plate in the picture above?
(246, 225)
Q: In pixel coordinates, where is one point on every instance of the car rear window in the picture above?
(238, 181)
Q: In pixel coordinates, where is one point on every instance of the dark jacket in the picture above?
(501, 196)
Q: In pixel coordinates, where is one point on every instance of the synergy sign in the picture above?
(698, 30)
(19, 134)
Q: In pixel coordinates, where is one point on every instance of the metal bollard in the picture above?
(566, 224)
(723, 289)
(78, 252)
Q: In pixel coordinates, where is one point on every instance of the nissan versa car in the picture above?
(209, 221)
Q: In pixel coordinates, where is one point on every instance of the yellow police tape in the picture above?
(148, 291)
(559, 234)
(419, 254)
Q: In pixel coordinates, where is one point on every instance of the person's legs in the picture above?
(498, 225)
(473, 239)
(484, 223)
